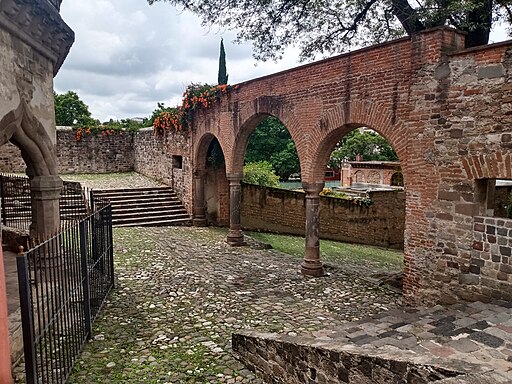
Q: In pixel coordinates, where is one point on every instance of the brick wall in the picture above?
(283, 211)
(154, 159)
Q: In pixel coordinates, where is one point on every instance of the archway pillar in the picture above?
(312, 266)
(235, 236)
(199, 219)
(45, 195)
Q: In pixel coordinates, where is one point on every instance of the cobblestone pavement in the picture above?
(183, 291)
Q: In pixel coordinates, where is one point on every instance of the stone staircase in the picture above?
(144, 207)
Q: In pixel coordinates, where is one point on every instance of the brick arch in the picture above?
(24, 130)
(201, 149)
(346, 117)
(496, 165)
(260, 109)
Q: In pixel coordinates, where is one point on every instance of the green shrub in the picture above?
(260, 173)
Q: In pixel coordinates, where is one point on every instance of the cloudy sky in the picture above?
(128, 56)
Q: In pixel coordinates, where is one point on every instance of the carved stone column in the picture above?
(235, 236)
(312, 266)
(45, 194)
(199, 208)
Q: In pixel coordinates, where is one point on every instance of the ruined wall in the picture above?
(157, 158)
(283, 211)
(469, 124)
(94, 153)
(90, 154)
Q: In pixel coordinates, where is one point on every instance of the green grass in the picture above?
(335, 251)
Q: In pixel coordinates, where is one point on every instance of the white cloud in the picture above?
(128, 56)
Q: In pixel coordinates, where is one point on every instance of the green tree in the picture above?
(71, 111)
(223, 74)
(328, 27)
(260, 173)
(370, 145)
(272, 142)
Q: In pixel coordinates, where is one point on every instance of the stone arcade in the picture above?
(447, 113)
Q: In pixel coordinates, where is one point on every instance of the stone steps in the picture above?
(144, 207)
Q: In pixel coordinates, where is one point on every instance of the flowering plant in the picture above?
(195, 97)
(103, 130)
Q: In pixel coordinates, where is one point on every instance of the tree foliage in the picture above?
(326, 27)
(260, 173)
(71, 111)
(272, 142)
(223, 74)
(370, 145)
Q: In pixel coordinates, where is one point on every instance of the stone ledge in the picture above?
(294, 360)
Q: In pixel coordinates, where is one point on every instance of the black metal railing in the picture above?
(63, 283)
(16, 202)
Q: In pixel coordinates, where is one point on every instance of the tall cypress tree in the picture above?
(223, 75)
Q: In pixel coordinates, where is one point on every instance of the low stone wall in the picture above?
(283, 211)
(292, 360)
(94, 153)
(90, 154)
(159, 158)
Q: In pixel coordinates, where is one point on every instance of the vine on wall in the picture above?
(195, 97)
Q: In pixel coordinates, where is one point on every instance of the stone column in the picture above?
(235, 236)
(199, 209)
(311, 266)
(45, 195)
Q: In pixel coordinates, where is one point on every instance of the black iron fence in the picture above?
(63, 283)
(75, 202)
(15, 201)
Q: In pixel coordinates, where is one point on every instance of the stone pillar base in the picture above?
(312, 269)
(197, 222)
(235, 238)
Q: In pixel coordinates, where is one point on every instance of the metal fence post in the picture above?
(2, 196)
(27, 318)
(85, 278)
(111, 245)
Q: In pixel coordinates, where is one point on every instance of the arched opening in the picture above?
(397, 180)
(365, 208)
(271, 157)
(211, 174)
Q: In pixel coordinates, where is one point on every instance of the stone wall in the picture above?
(158, 158)
(94, 153)
(292, 360)
(283, 211)
(490, 266)
(11, 160)
(90, 154)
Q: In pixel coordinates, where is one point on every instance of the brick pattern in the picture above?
(491, 258)
(283, 211)
(445, 110)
